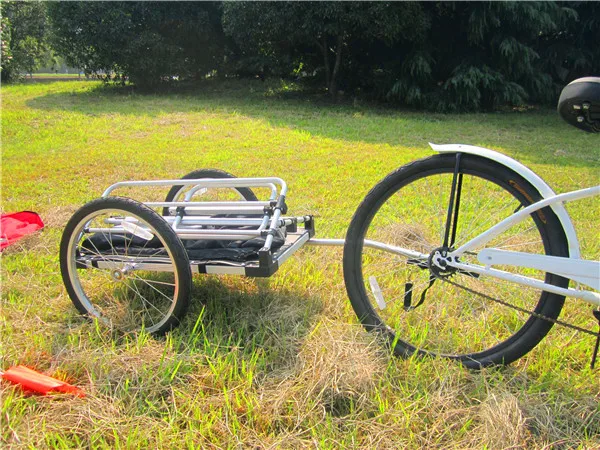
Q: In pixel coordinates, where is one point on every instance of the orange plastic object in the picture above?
(33, 381)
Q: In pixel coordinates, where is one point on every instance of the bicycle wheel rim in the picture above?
(444, 324)
(115, 291)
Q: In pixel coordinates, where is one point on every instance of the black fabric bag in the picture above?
(198, 250)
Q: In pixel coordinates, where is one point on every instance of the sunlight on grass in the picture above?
(282, 362)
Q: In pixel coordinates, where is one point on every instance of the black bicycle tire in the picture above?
(549, 305)
(170, 239)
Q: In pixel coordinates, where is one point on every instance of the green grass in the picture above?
(53, 76)
(280, 362)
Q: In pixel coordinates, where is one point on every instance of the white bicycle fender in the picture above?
(535, 180)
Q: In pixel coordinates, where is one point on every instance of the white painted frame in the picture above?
(574, 268)
(536, 181)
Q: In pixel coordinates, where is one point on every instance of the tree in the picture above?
(145, 42)
(572, 51)
(444, 56)
(25, 35)
(480, 55)
(320, 35)
(6, 55)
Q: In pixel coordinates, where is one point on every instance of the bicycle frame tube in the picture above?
(588, 296)
(585, 272)
(540, 185)
(519, 216)
(582, 271)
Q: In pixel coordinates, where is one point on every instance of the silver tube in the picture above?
(191, 192)
(145, 265)
(273, 226)
(196, 220)
(207, 211)
(326, 242)
(273, 196)
(212, 221)
(193, 220)
(196, 188)
(264, 223)
(176, 222)
(256, 205)
(204, 182)
(396, 250)
(291, 220)
(183, 232)
(372, 244)
(216, 237)
(292, 249)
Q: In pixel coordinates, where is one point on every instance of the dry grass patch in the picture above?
(338, 367)
(503, 422)
(332, 382)
(277, 363)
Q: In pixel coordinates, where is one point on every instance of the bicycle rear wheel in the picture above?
(453, 314)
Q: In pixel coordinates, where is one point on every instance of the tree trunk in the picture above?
(336, 68)
(331, 75)
(325, 51)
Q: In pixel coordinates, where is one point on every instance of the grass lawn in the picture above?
(56, 75)
(281, 362)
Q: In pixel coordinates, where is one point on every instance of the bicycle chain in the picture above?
(523, 310)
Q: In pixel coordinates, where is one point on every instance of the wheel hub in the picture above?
(438, 263)
(117, 275)
(120, 274)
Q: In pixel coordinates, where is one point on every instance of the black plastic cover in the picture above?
(579, 104)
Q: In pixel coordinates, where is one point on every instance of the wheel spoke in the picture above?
(119, 294)
(157, 290)
(131, 285)
(418, 208)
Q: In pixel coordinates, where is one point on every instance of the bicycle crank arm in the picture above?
(422, 264)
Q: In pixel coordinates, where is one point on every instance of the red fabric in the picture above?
(33, 381)
(16, 225)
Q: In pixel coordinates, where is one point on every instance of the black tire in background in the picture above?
(176, 191)
(407, 209)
